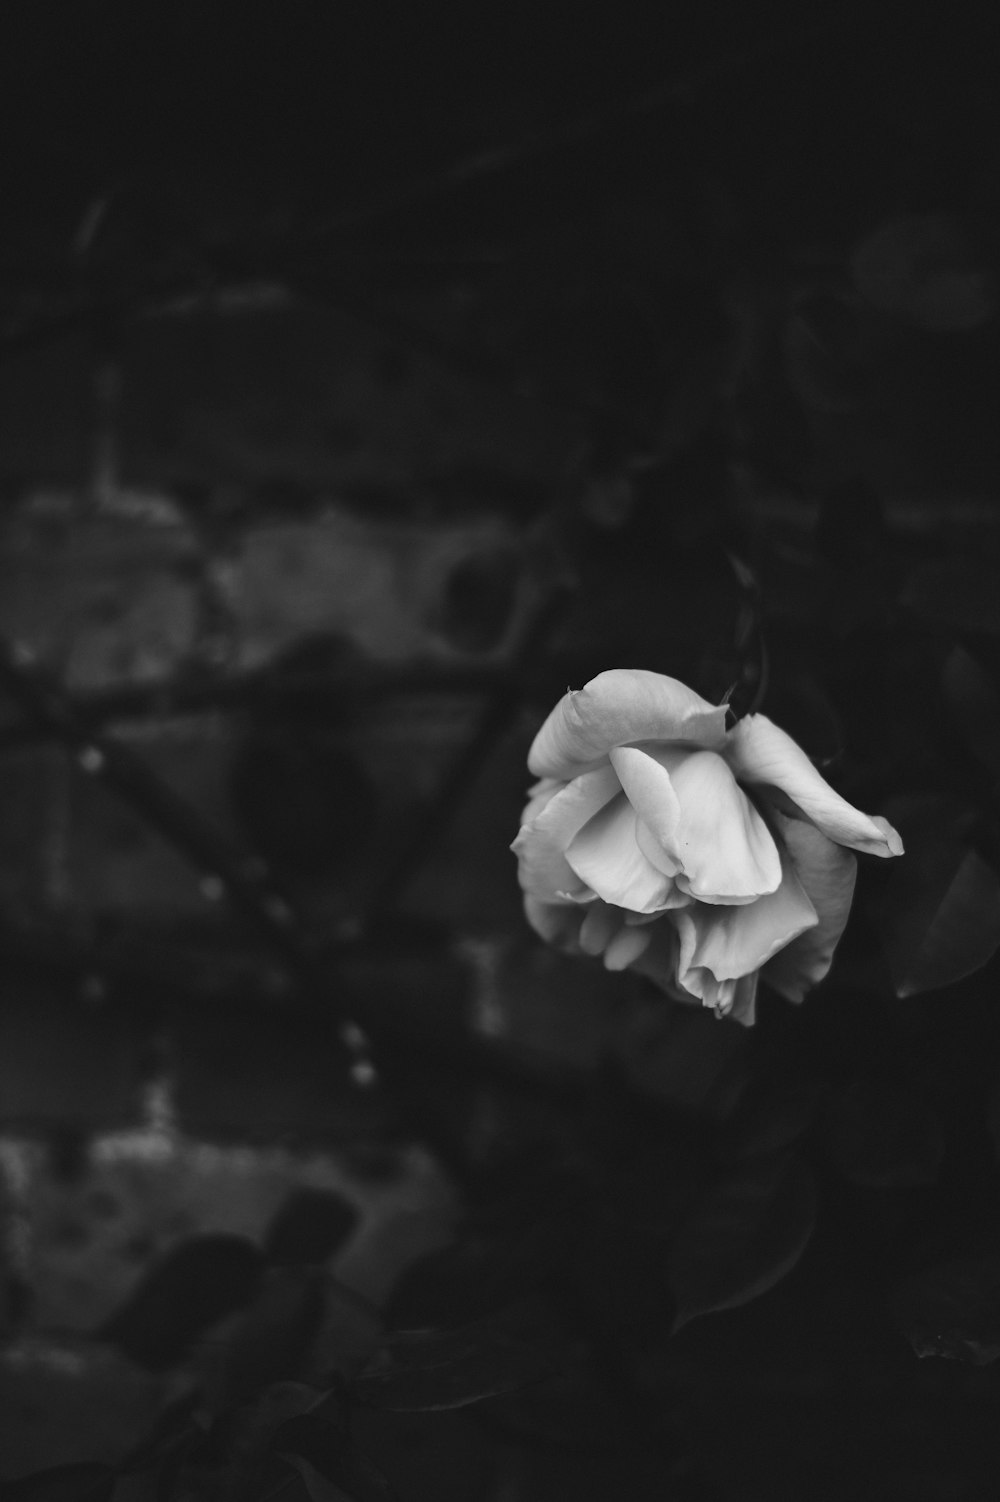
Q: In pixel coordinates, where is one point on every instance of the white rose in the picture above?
(699, 856)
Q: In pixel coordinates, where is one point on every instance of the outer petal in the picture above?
(606, 857)
(552, 818)
(727, 998)
(564, 927)
(759, 752)
(744, 1007)
(626, 947)
(659, 962)
(702, 821)
(827, 872)
(595, 930)
(556, 922)
(625, 704)
(540, 796)
(601, 923)
(731, 942)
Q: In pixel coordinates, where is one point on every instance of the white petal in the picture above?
(730, 942)
(599, 927)
(557, 815)
(540, 796)
(625, 704)
(606, 857)
(759, 752)
(706, 825)
(744, 1003)
(827, 872)
(626, 947)
(644, 775)
(658, 963)
(652, 847)
(557, 923)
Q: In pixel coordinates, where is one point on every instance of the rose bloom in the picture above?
(700, 857)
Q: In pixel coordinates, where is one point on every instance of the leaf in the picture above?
(679, 1055)
(491, 1268)
(745, 1236)
(619, 1269)
(953, 1309)
(938, 916)
(349, 1331)
(199, 1282)
(274, 1333)
(924, 269)
(877, 1134)
(434, 1370)
(62, 1483)
(329, 1449)
(314, 1487)
(772, 1114)
(958, 592)
(974, 703)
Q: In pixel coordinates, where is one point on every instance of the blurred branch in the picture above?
(287, 693)
(244, 878)
(385, 985)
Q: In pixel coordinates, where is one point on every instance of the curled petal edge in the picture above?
(615, 708)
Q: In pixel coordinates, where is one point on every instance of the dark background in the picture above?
(367, 375)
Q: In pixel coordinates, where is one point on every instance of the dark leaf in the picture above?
(329, 1449)
(958, 592)
(62, 1483)
(432, 1370)
(349, 1331)
(486, 1271)
(306, 1484)
(310, 1227)
(274, 1333)
(176, 1430)
(619, 1269)
(972, 698)
(772, 1114)
(449, 1287)
(953, 1310)
(679, 1055)
(241, 1435)
(939, 915)
(923, 268)
(877, 1134)
(198, 1283)
(745, 1236)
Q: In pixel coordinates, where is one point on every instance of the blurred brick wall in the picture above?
(242, 493)
(241, 486)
